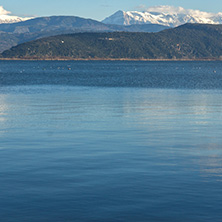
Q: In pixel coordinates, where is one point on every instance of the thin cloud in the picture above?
(3, 11)
(178, 10)
(141, 7)
(7, 17)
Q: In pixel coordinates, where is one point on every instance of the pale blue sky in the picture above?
(98, 9)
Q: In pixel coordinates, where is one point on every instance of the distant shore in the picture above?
(104, 59)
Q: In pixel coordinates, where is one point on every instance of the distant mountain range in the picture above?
(190, 41)
(160, 15)
(16, 33)
(16, 30)
(72, 23)
(164, 15)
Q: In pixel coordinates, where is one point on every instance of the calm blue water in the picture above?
(110, 141)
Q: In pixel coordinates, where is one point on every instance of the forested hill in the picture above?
(190, 41)
(16, 33)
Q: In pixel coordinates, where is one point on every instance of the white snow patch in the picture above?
(164, 15)
(6, 17)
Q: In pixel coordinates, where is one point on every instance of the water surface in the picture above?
(110, 141)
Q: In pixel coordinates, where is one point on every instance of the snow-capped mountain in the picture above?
(164, 15)
(11, 19)
(5, 17)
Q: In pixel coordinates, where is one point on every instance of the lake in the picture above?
(110, 141)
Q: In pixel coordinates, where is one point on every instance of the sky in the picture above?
(98, 9)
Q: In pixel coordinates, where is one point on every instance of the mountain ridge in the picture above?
(16, 33)
(163, 15)
(189, 41)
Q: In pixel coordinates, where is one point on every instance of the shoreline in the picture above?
(106, 59)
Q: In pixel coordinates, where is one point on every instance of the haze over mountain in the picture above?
(164, 15)
(6, 17)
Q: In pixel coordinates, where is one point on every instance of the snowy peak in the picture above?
(164, 15)
(126, 18)
(117, 18)
(6, 17)
(11, 19)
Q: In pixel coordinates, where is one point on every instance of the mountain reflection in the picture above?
(210, 161)
(3, 108)
(166, 124)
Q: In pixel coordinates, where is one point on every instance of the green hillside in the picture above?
(190, 41)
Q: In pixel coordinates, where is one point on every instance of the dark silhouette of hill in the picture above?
(16, 33)
(190, 41)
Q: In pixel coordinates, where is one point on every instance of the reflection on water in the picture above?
(3, 115)
(77, 153)
(3, 108)
(210, 161)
